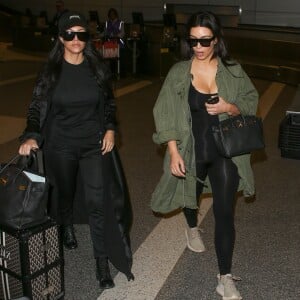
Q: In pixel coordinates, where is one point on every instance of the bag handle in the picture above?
(40, 160)
(12, 160)
(33, 161)
(235, 118)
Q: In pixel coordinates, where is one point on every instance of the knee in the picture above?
(224, 217)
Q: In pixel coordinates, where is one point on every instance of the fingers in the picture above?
(177, 166)
(211, 110)
(215, 109)
(26, 147)
(108, 141)
(178, 169)
(107, 145)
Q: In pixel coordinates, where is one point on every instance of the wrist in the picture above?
(229, 109)
(172, 147)
(232, 110)
(173, 152)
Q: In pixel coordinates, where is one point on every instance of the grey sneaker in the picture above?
(226, 287)
(194, 241)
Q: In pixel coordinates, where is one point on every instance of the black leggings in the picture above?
(224, 179)
(62, 166)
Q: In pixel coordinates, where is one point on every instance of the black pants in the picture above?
(63, 164)
(224, 179)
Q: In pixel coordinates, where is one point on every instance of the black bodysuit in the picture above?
(222, 174)
(205, 147)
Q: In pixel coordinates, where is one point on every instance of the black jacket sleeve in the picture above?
(36, 111)
(109, 110)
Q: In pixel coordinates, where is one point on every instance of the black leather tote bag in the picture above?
(238, 135)
(23, 191)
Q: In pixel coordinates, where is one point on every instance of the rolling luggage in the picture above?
(289, 137)
(31, 262)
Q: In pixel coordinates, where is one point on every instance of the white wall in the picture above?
(267, 12)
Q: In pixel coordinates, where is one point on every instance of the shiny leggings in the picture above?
(224, 179)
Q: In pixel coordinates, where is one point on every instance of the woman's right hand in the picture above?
(27, 146)
(177, 165)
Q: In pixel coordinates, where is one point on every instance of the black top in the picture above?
(74, 109)
(205, 148)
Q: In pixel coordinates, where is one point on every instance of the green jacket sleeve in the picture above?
(247, 98)
(164, 113)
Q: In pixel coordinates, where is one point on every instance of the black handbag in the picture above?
(238, 135)
(23, 191)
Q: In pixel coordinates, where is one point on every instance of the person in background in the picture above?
(60, 10)
(72, 117)
(114, 27)
(114, 32)
(196, 94)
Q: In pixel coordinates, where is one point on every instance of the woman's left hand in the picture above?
(221, 107)
(108, 141)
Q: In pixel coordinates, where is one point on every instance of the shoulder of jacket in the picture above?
(234, 68)
(181, 65)
(179, 70)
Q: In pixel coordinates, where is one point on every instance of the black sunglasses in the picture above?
(203, 42)
(70, 35)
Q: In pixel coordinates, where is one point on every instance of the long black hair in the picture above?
(52, 69)
(211, 21)
(114, 11)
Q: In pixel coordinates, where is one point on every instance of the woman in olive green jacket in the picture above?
(180, 107)
(173, 122)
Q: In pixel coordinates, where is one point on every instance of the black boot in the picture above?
(68, 237)
(103, 273)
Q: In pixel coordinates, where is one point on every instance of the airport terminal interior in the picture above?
(266, 255)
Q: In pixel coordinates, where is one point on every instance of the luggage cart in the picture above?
(111, 50)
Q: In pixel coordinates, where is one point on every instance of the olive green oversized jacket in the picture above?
(173, 122)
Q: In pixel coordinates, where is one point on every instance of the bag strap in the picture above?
(12, 160)
(35, 158)
(40, 162)
(35, 162)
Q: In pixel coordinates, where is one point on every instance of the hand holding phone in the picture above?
(213, 100)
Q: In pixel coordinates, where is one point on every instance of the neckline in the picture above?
(203, 93)
(74, 65)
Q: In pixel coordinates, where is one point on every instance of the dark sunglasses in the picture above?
(203, 42)
(70, 35)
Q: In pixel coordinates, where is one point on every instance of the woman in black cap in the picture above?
(72, 115)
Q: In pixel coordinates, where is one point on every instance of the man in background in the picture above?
(60, 10)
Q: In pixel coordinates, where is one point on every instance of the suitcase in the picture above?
(31, 263)
(289, 138)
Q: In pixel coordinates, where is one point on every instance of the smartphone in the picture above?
(213, 100)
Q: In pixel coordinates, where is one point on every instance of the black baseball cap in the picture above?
(70, 19)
